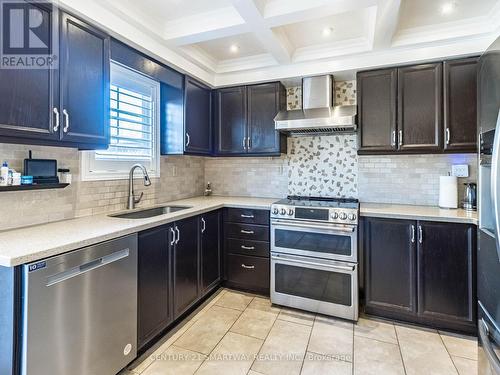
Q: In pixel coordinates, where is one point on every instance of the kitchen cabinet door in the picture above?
(29, 96)
(446, 276)
(231, 121)
(210, 225)
(460, 105)
(197, 117)
(153, 305)
(185, 265)
(264, 103)
(390, 265)
(377, 97)
(420, 108)
(84, 83)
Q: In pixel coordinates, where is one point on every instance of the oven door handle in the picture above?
(336, 228)
(315, 264)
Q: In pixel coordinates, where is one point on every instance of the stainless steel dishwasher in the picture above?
(80, 311)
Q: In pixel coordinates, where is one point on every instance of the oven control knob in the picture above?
(283, 211)
(352, 217)
(343, 216)
(275, 211)
(290, 212)
(335, 215)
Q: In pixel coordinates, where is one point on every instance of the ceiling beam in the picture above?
(386, 23)
(274, 42)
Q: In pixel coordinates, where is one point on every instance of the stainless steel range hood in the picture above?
(317, 116)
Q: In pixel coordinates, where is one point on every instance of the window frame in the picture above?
(93, 169)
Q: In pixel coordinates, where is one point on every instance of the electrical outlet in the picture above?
(174, 171)
(460, 170)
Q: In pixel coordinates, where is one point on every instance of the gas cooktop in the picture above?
(333, 210)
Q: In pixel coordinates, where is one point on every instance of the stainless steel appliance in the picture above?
(318, 115)
(80, 311)
(470, 197)
(488, 258)
(314, 255)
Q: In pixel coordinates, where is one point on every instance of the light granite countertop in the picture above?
(29, 244)
(427, 213)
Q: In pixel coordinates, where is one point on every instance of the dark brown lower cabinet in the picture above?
(421, 271)
(210, 247)
(153, 308)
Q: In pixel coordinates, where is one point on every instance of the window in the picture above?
(134, 128)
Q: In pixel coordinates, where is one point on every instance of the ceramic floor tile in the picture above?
(316, 364)
(234, 300)
(263, 304)
(252, 372)
(332, 337)
(460, 346)
(377, 357)
(465, 366)
(284, 349)
(175, 361)
(233, 356)
(254, 323)
(423, 352)
(297, 316)
(376, 330)
(207, 331)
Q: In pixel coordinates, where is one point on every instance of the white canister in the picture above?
(448, 192)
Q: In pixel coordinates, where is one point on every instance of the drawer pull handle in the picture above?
(247, 247)
(247, 267)
(247, 216)
(247, 231)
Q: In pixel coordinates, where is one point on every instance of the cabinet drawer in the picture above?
(247, 247)
(247, 231)
(250, 216)
(247, 271)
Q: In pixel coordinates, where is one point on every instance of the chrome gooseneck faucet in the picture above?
(132, 200)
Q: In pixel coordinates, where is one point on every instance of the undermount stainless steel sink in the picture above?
(151, 212)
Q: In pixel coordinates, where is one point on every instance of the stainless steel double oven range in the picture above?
(314, 255)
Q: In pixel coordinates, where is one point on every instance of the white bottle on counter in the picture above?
(4, 174)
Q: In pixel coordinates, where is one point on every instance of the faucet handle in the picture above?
(137, 200)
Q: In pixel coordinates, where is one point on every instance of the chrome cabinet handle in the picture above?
(249, 143)
(188, 139)
(173, 236)
(413, 234)
(58, 123)
(420, 234)
(204, 226)
(400, 138)
(247, 267)
(247, 216)
(393, 143)
(247, 247)
(66, 121)
(448, 136)
(178, 235)
(247, 231)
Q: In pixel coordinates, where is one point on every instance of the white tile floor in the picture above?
(237, 333)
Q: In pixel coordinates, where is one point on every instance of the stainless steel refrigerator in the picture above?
(488, 258)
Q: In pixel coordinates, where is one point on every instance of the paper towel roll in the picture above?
(448, 192)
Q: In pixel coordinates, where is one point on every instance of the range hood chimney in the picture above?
(318, 116)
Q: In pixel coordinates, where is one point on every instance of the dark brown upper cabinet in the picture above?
(84, 83)
(68, 106)
(460, 105)
(197, 117)
(231, 121)
(244, 122)
(377, 110)
(264, 103)
(28, 96)
(420, 126)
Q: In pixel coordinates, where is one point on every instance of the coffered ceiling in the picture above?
(224, 42)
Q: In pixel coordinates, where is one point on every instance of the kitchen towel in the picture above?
(448, 192)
